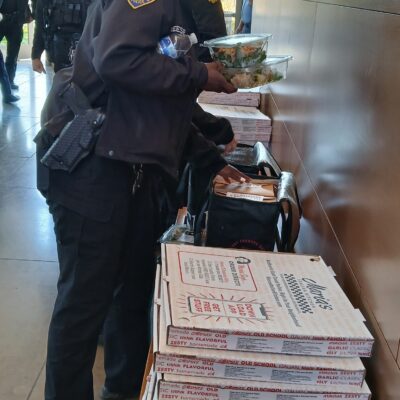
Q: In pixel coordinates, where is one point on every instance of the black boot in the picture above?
(8, 97)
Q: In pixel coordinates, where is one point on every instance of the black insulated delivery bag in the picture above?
(256, 160)
(261, 215)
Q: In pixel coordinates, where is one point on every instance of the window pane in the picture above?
(230, 10)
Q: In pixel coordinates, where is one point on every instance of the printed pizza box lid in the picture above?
(262, 386)
(256, 293)
(234, 99)
(160, 346)
(237, 112)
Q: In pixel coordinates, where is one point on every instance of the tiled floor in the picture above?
(28, 262)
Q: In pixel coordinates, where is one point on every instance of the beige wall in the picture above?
(337, 127)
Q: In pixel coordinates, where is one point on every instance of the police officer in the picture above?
(15, 14)
(59, 25)
(5, 85)
(207, 20)
(106, 211)
(8, 96)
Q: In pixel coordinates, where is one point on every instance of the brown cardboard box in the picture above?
(239, 300)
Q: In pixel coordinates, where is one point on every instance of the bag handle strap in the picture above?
(290, 211)
(200, 223)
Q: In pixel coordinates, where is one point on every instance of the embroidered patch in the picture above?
(135, 4)
(178, 29)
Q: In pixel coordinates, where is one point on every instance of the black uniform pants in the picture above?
(62, 43)
(4, 81)
(106, 268)
(11, 29)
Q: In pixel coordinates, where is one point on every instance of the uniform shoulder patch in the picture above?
(135, 4)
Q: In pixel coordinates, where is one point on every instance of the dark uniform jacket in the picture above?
(206, 19)
(39, 40)
(59, 22)
(18, 7)
(148, 98)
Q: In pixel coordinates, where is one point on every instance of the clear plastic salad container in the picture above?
(238, 51)
(273, 69)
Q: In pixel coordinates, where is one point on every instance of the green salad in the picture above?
(239, 56)
(239, 51)
(243, 79)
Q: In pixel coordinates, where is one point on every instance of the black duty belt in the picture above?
(9, 14)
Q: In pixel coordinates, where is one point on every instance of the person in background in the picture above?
(8, 96)
(58, 28)
(207, 21)
(245, 20)
(15, 14)
(5, 85)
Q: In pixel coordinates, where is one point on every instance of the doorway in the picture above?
(231, 11)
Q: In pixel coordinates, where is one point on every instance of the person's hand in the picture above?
(230, 146)
(216, 81)
(38, 66)
(229, 174)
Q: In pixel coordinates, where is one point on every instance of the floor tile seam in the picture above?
(21, 157)
(28, 260)
(36, 380)
(30, 117)
(6, 186)
(18, 168)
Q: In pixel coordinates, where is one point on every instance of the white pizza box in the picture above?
(146, 393)
(194, 388)
(150, 391)
(266, 302)
(234, 99)
(250, 117)
(249, 124)
(243, 119)
(223, 364)
(251, 138)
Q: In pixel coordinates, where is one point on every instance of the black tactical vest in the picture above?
(66, 15)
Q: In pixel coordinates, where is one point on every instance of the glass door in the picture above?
(230, 15)
(27, 40)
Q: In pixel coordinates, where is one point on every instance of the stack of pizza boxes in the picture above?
(249, 124)
(235, 324)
